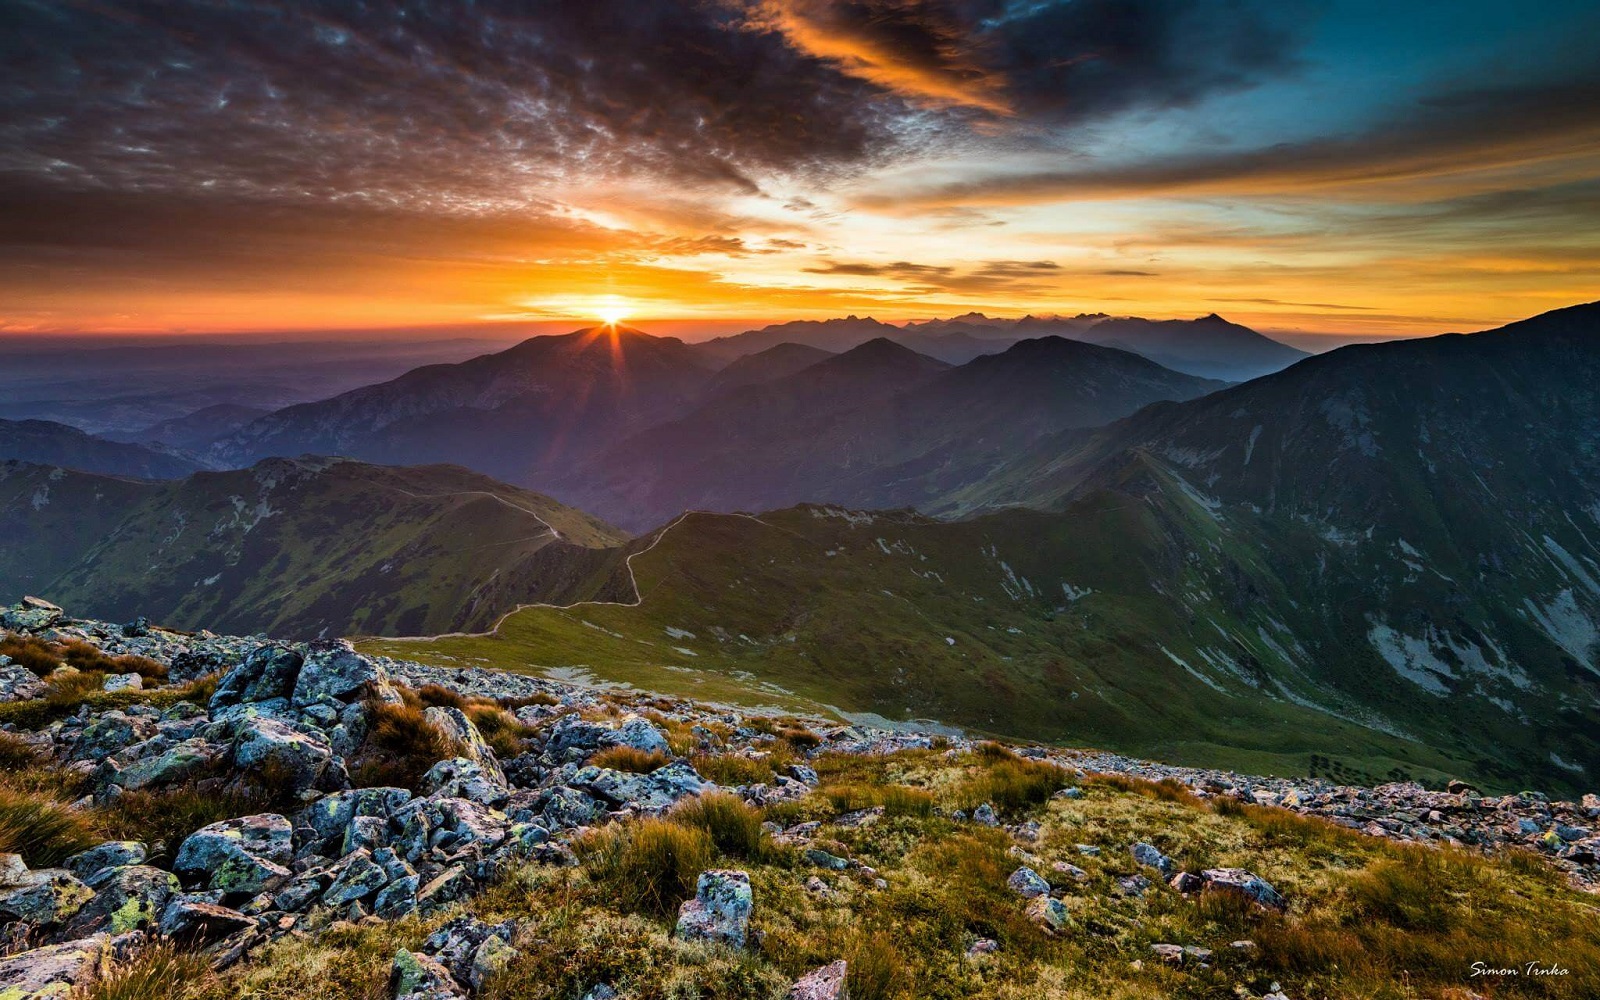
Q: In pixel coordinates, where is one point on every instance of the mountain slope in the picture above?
(877, 426)
(1416, 523)
(765, 366)
(954, 346)
(298, 547)
(197, 429)
(1209, 346)
(511, 414)
(49, 443)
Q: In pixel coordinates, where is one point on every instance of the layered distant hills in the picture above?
(297, 547)
(1377, 562)
(50, 443)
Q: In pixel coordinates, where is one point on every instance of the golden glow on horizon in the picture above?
(614, 311)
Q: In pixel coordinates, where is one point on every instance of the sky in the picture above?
(1357, 168)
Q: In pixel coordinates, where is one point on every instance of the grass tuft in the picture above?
(400, 746)
(41, 829)
(651, 866)
(733, 826)
(631, 759)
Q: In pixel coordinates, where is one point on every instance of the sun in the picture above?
(613, 311)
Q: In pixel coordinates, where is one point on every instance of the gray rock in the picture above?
(448, 886)
(1028, 883)
(123, 682)
(418, 977)
(180, 763)
(1151, 857)
(333, 672)
(31, 614)
(1240, 881)
(125, 899)
(1049, 913)
(826, 983)
(1186, 883)
(398, 898)
(720, 909)
(651, 792)
(47, 897)
(641, 734)
(194, 921)
(18, 683)
(984, 815)
(266, 673)
(111, 854)
(358, 877)
(271, 744)
(822, 859)
(54, 972)
(329, 816)
(465, 778)
(237, 856)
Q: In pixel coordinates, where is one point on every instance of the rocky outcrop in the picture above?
(720, 909)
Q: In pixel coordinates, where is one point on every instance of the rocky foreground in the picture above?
(360, 832)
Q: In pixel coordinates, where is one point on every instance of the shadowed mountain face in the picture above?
(50, 443)
(1209, 346)
(512, 414)
(877, 426)
(765, 366)
(296, 547)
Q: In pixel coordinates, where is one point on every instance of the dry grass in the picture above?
(400, 746)
(623, 758)
(500, 729)
(1013, 784)
(160, 971)
(651, 866)
(733, 826)
(41, 829)
(732, 770)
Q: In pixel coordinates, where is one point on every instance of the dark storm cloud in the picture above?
(986, 276)
(1049, 63)
(420, 101)
(1454, 130)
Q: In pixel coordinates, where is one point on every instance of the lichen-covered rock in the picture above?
(18, 683)
(1028, 883)
(1049, 913)
(418, 977)
(458, 944)
(641, 734)
(1151, 856)
(448, 886)
(333, 672)
(469, 741)
(357, 877)
(125, 899)
(398, 898)
(329, 816)
(46, 897)
(266, 673)
(491, 959)
(111, 854)
(651, 792)
(720, 910)
(564, 808)
(271, 745)
(237, 856)
(1244, 883)
(179, 763)
(31, 614)
(58, 971)
(123, 682)
(465, 778)
(826, 983)
(194, 921)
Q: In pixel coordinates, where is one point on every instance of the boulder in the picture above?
(171, 766)
(46, 897)
(1151, 857)
(1240, 881)
(448, 886)
(329, 816)
(984, 815)
(273, 746)
(111, 854)
(31, 614)
(418, 977)
(125, 899)
(1186, 883)
(237, 856)
(123, 682)
(651, 792)
(59, 971)
(398, 898)
(1049, 913)
(1028, 883)
(18, 683)
(266, 673)
(333, 672)
(357, 877)
(470, 742)
(826, 983)
(458, 944)
(491, 959)
(194, 921)
(465, 778)
(641, 734)
(720, 909)
(104, 736)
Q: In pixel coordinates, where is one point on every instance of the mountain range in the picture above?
(47, 442)
(298, 547)
(1379, 562)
